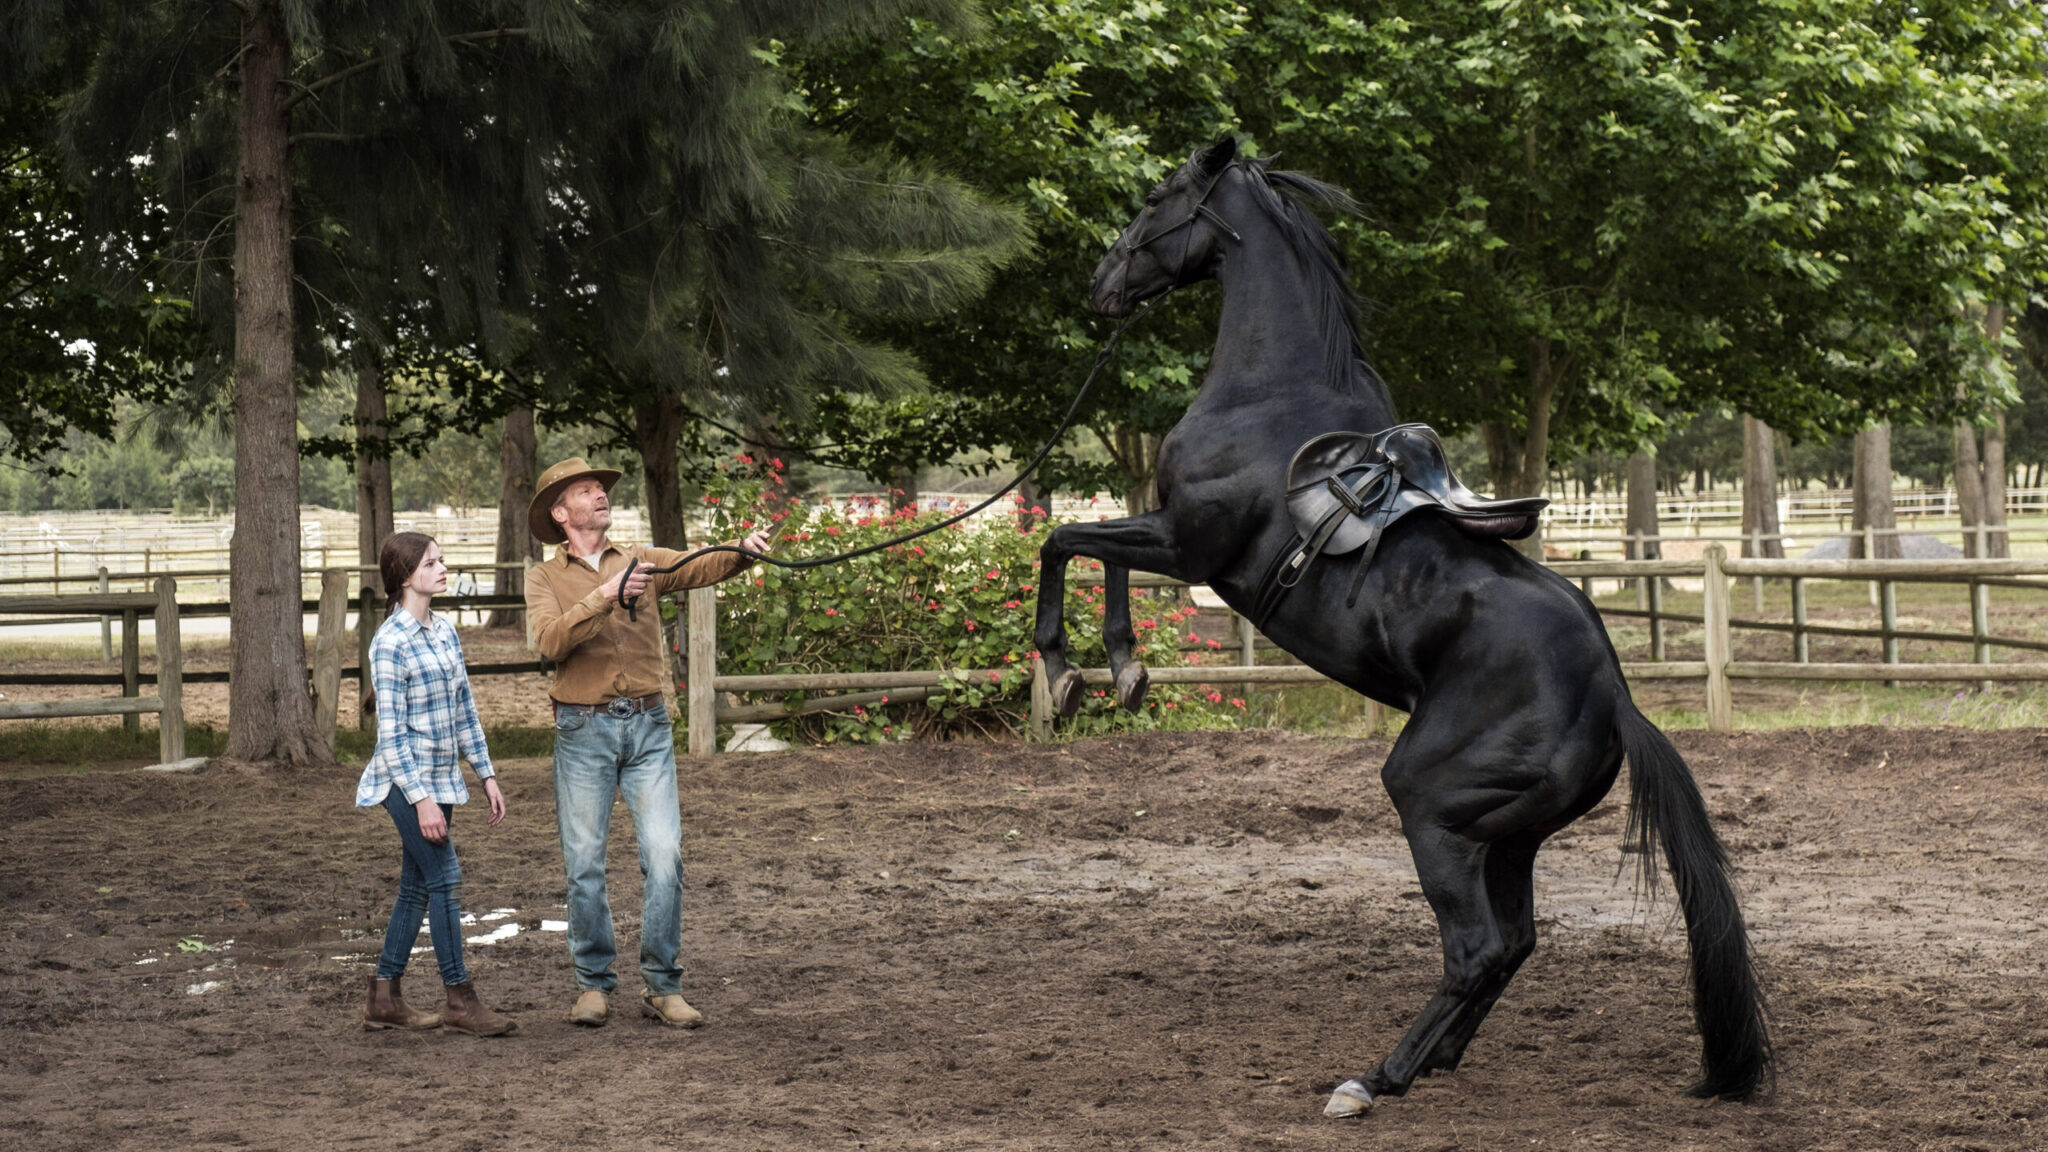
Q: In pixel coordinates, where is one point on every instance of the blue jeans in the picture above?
(599, 756)
(430, 888)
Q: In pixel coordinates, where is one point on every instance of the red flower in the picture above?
(970, 625)
(831, 611)
(777, 462)
(831, 530)
(995, 574)
(1012, 603)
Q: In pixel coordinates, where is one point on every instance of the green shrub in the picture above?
(962, 598)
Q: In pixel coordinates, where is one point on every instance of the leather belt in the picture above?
(621, 706)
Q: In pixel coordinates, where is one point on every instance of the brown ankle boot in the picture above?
(466, 1013)
(388, 1009)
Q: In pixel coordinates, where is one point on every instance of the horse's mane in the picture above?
(1345, 368)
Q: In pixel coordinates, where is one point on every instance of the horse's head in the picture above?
(1177, 239)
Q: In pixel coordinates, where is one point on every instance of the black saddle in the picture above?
(1345, 488)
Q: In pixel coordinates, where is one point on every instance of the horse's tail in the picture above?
(1665, 810)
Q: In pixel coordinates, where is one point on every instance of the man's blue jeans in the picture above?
(598, 756)
(429, 887)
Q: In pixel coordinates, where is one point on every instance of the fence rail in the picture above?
(169, 701)
(1715, 570)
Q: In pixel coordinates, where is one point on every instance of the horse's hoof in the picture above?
(1066, 692)
(1131, 685)
(1350, 1099)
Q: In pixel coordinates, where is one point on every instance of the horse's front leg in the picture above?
(1143, 542)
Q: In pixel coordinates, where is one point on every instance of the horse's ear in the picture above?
(1266, 163)
(1216, 157)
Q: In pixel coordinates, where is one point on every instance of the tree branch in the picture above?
(330, 80)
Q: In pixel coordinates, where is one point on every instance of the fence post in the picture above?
(1247, 649)
(106, 621)
(1714, 611)
(1041, 701)
(131, 664)
(1656, 603)
(1642, 582)
(170, 673)
(327, 642)
(1888, 623)
(366, 628)
(1756, 583)
(703, 669)
(1980, 625)
(1800, 640)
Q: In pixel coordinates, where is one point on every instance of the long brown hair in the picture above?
(397, 560)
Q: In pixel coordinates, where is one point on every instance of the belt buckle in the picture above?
(622, 706)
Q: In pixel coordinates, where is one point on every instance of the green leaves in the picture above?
(963, 598)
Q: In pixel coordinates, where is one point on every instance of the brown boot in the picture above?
(388, 1009)
(466, 1013)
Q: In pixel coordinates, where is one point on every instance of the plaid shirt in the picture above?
(426, 715)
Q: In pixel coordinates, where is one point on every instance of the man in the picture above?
(612, 728)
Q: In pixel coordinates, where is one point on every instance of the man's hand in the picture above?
(497, 800)
(758, 542)
(433, 825)
(634, 578)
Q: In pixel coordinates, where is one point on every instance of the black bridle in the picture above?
(1199, 211)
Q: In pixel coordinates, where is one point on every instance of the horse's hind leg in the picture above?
(1482, 896)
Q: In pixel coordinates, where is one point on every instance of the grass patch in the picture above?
(1849, 704)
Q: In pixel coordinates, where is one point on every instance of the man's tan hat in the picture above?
(552, 481)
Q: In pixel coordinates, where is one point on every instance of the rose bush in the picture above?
(962, 598)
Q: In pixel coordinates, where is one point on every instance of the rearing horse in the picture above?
(1519, 718)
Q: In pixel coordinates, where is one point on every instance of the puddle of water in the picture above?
(504, 931)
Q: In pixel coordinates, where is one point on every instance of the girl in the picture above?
(426, 717)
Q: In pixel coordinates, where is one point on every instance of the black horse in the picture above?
(1519, 718)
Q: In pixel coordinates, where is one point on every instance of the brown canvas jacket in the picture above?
(599, 652)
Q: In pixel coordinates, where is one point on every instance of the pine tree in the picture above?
(327, 166)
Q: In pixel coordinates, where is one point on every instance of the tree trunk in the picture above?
(518, 465)
(1760, 491)
(270, 715)
(658, 429)
(1030, 496)
(1535, 440)
(1642, 505)
(373, 464)
(1997, 544)
(902, 489)
(1872, 487)
(1969, 484)
(1138, 455)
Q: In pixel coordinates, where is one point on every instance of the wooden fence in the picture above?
(169, 701)
(1717, 669)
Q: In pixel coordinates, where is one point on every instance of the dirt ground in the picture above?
(1175, 940)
